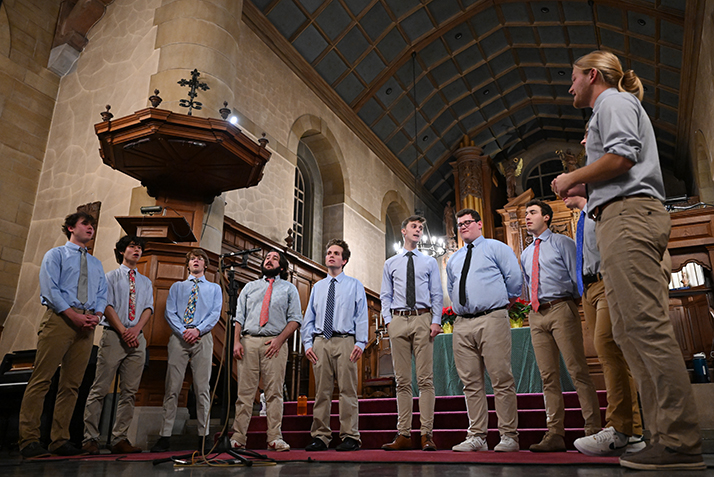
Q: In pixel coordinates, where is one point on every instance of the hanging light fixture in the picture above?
(429, 244)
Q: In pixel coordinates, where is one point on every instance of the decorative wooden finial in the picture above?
(155, 100)
(106, 115)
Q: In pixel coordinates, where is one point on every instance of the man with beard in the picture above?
(192, 310)
(268, 313)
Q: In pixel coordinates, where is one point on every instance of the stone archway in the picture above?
(394, 211)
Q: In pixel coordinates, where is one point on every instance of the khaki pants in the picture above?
(200, 355)
(407, 333)
(554, 331)
(484, 343)
(632, 236)
(59, 342)
(114, 354)
(623, 407)
(251, 368)
(333, 359)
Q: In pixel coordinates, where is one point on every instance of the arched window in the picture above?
(302, 210)
(541, 176)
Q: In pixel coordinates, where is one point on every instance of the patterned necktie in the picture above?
(535, 276)
(411, 282)
(132, 295)
(82, 283)
(265, 310)
(329, 310)
(579, 236)
(464, 274)
(191, 307)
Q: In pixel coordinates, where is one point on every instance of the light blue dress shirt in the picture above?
(493, 278)
(59, 275)
(208, 305)
(556, 264)
(350, 310)
(284, 307)
(118, 295)
(620, 125)
(427, 283)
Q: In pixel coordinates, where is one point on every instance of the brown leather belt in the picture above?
(596, 213)
(419, 311)
(545, 306)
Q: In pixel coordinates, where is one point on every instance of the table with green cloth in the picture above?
(523, 362)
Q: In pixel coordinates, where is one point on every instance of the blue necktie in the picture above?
(329, 311)
(579, 235)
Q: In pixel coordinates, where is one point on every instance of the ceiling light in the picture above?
(486, 92)
(425, 138)
(645, 88)
(233, 120)
(545, 10)
(561, 73)
(641, 22)
(389, 91)
(458, 36)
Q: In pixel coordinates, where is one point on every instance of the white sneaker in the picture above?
(279, 445)
(635, 444)
(507, 444)
(472, 443)
(607, 442)
(235, 445)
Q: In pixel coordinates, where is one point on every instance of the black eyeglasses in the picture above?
(465, 223)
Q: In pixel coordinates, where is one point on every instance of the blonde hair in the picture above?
(610, 69)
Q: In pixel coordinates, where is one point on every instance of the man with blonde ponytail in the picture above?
(625, 193)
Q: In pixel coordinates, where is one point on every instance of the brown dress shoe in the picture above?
(427, 442)
(91, 447)
(124, 447)
(551, 443)
(399, 443)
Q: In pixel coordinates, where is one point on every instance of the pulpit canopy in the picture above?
(176, 155)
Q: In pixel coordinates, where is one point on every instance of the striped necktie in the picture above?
(329, 311)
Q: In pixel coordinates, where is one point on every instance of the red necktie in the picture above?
(132, 295)
(265, 310)
(535, 276)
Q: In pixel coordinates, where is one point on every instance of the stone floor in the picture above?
(12, 466)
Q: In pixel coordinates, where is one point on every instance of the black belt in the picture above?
(596, 213)
(590, 279)
(82, 311)
(334, 335)
(419, 311)
(482, 313)
(245, 333)
(107, 327)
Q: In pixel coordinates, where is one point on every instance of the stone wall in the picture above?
(115, 69)
(27, 98)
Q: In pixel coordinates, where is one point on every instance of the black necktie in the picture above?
(411, 283)
(464, 273)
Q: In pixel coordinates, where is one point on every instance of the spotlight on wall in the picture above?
(233, 120)
(151, 209)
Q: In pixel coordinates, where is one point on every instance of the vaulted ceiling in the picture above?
(496, 71)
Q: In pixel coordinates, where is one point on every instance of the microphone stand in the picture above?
(224, 443)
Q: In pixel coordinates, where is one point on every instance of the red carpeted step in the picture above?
(378, 420)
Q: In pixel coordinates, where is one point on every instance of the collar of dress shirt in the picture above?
(74, 246)
(601, 98)
(339, 277)
(544, 236)
(415, 252)
(124, 268)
